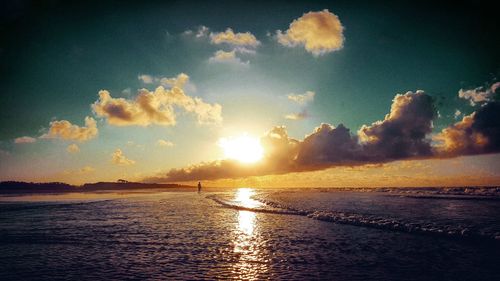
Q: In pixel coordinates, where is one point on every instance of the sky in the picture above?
(260, 93)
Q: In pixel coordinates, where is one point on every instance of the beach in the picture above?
(249, 234)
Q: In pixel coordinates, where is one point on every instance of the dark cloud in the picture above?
(405, 133)
(328, 146)
(279, 158)
(402, 134)
(477, 133)
(487, 122)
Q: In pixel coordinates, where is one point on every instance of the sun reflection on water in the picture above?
(244, 196)
(248, 243)
(246, 221)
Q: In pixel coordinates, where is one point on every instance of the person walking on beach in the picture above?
(199, 187)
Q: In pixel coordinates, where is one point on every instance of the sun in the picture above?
(244, 148)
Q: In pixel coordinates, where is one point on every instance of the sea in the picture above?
(253, 234)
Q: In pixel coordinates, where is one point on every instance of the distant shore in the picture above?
(25, 188)
(15, 187)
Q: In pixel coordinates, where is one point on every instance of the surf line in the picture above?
(387, 224)
(257, 210)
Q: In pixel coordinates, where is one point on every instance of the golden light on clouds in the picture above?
(119, 158)
(243, 148)
(236, 39)
(319, 32)
(63, 129)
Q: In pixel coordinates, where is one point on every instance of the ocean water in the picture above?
(253, 234)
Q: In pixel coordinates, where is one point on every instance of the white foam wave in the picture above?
(366, 220)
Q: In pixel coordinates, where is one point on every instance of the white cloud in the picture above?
(65, 130)
(479, 95)
(319, 32)
(119, 158)
(202, 31)
(145, 78)
(302, 98)
(24, 139)
(235, 39)
(156, 107)
(227, 57)
(179, 81)
(297, 116)
(164, 143)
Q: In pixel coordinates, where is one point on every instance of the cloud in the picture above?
(479, 95)
(25, 139)
(402, 134)
(65, 130)
(221, 56)
(179, 81)
(319, 32)
(302, 98)
(297, 116)
(279, 150)
(477, 133)
(244, 50)
(201, 32)
(164, 143)
(457, 113)
(235, 39)
(119, 159)
(146, 79)
(495, 87)
(156, 107)
(73, 148)
(145, 110)
(328, 146)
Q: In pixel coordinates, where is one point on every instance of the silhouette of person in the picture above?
(199, 187)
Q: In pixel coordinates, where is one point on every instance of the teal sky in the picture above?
(56, 57)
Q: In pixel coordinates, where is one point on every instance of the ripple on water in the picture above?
(174, 236)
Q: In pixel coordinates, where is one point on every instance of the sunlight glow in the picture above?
(244, 198)
(246, 219)
(249, 244)
(246, 222)
(244, 148)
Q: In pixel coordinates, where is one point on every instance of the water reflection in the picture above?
(244, 197)
(246, 219)
(246, 222)
(249, 245)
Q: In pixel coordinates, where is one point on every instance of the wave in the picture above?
(477, 191)
(366, 220)
(264, 209)
(448, 197)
